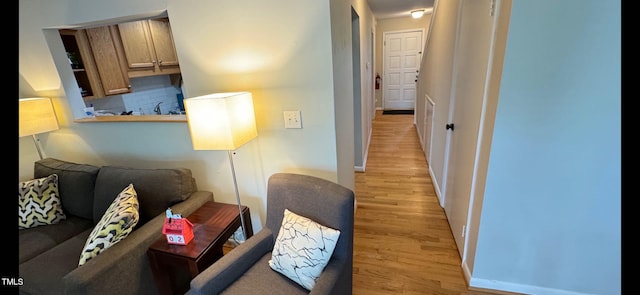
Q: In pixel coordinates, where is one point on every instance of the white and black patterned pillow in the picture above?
(116, 224)
(302, 249)
(39, 202)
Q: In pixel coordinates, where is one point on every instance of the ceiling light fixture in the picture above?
(417, 13)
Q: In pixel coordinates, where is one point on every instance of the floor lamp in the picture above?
(222, 121)
(36, 115)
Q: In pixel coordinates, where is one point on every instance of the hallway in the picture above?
(402, 240)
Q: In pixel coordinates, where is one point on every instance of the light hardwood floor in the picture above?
(402, 240)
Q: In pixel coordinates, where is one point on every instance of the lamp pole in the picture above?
(235, 185)
(36, 141)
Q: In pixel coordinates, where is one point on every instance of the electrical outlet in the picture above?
(292, 119)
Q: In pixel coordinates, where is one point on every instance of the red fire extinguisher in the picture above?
(378, 81)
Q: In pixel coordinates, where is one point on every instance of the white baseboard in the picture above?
(518, 288)
(366, 155)
(436, 187)
(466, 272)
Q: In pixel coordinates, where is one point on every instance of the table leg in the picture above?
(161, 277)
(247, 221)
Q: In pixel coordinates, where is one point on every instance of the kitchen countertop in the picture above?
(131, 118)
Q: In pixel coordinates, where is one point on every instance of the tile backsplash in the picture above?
(147, 93)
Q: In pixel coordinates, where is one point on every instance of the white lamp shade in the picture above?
(221, 121)
(36, 115)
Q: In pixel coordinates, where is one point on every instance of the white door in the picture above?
(402, 54)
(470, 74)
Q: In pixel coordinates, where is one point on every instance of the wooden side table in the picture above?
(174, 266)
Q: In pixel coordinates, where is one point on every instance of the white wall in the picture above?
(343, 80)
(364, 115)
(280, 51)
(551, 212)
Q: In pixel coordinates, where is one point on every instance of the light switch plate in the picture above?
(292, 119)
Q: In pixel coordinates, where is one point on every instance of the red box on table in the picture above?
(178, 231)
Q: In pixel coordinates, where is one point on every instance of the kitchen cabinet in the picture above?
(109, 59)
(97, 61)
(82, 63)
(149, 48)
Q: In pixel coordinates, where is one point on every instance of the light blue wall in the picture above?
(551, 212)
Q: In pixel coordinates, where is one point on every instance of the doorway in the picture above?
(402, 53)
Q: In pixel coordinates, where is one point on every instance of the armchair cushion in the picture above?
(302, 249)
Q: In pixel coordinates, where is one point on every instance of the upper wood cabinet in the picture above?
(148, 47)
(82, 63)
(109, 59)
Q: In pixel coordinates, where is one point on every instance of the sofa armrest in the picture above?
(124, 268)
(232, 265)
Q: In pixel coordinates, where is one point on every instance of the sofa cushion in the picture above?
(157, 189)
(76, 184)
(44, 273)
(302, 249)
(115, 225)
(34, 241)
(39, 202)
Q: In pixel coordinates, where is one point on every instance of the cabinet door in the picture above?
(77, 45)
(148, 47)
(163, 42)
(137, 45)
(113, 76)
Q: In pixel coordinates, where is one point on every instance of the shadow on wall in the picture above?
(24, 88)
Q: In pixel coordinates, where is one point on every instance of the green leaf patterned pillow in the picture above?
(39, 202)
(116, 224)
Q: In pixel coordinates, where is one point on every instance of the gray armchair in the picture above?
(245, 269)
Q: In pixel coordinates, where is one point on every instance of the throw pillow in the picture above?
(116, 224)
(39, 202)
(302, 249)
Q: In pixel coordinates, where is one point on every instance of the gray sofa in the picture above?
(49, 254)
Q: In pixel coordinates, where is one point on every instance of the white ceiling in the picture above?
(397, 8)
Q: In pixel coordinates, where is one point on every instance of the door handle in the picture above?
(450, 126)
